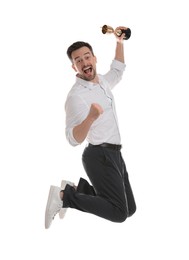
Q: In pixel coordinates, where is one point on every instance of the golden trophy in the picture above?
(108, 29)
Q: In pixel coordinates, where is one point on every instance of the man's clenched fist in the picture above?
(95, 111)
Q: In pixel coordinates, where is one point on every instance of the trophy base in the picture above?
(127, 33)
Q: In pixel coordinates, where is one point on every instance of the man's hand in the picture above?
(118, 29)
(95, 111)
(80, 131)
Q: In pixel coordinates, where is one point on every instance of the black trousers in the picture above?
(110, 196)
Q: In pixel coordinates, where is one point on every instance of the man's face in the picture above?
(84, 63)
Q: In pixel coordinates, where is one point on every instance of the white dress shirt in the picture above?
(105, 129)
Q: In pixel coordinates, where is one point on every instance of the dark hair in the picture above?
(77, 45)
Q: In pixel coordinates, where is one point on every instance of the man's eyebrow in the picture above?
(83, 55)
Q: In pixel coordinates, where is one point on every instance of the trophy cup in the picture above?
(109, 29)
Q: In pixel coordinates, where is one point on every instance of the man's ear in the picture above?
(73, 67)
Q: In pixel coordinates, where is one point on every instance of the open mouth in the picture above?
(87, 70)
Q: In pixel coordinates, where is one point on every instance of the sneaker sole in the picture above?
(47, 223)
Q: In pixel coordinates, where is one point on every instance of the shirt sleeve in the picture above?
(76, 112)
(114, 75)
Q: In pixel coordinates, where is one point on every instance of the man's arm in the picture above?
(119, 53)
(80, 131)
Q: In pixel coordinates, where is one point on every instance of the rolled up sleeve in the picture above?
(70, 137)
(115, 73)
(76, 112)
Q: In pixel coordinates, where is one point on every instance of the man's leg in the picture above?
(128, 190)
(110, 200)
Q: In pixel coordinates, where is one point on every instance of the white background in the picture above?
(152, 106)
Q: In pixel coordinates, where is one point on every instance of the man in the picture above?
(91, 116)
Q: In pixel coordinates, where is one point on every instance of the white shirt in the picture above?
(105, 129)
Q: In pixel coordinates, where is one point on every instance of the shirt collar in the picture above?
(85, 83)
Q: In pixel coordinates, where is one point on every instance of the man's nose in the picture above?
(84, 62)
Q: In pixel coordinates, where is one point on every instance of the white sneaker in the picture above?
(62, 212)
(54, 205)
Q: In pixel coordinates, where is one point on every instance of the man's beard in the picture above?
(90, 78)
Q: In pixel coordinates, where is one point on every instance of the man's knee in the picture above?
(124, 214)
(121, 216)
(132, 211)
